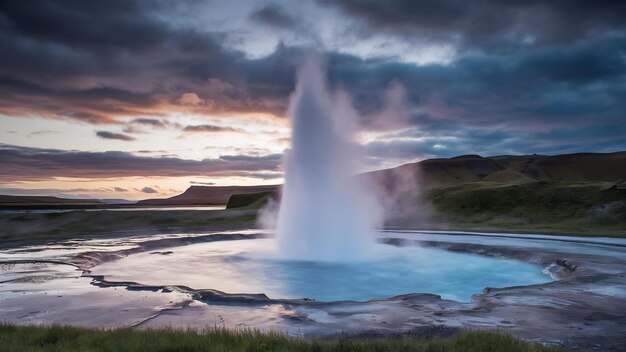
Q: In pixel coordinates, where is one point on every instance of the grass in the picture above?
(541, 200)
(78, 223)
(578, 208)
(250, 200)
(555, 207)
(62, 338)
(511, 203)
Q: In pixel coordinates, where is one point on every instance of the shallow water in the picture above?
(249, 266)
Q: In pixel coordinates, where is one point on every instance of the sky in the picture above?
(143, 98)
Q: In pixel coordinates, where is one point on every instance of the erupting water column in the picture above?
(325, 215)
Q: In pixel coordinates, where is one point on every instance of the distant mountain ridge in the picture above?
(25, 200)
(580, 167)
(207, 195)
(441, 172)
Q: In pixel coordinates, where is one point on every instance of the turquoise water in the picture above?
(249, 266)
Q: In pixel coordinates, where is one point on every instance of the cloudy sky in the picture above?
(139, 99)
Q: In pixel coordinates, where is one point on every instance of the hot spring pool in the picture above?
(249, 266)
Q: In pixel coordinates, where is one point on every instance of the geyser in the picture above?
(325, 214)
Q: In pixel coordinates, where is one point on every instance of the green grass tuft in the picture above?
(63, 338)
(249, 200)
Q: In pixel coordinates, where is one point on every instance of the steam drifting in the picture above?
(325, 214)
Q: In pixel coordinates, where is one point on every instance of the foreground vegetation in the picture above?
(25, 226)
(58, 338)
(550, 207)
(507, 205)
(577, 208)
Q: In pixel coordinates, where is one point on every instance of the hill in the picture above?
(251, 200)
(571, 193)
(579, 167)
(207, 195)
(575, 193)
(541, 206)
(503, 169)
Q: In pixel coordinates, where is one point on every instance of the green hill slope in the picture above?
(542, 206)
(575, 193)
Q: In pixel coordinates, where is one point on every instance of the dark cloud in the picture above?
(562, 87)
(136, 63)
(149, 190)
(208, 128)
(152, 151)
(102, 24)
(113, 135)
(275, 16)
(43, 132)
(490, 25)
(120, 189)
(202, 183)
(249, 158)
(92, 105)
(264, 175)
(535, 71)
(23, 163)
(458, 140)
(150, 122)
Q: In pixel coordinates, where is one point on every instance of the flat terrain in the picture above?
(561, 221)
(26, 226)
(551, 207)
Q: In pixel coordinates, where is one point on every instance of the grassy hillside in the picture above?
(580, 193)
(56, 338)
(432, 173)
(559, 207)
(570, 207)
(506, 176)
(580, 167)
(251, 200)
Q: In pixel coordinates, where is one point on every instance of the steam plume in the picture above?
(325, 214)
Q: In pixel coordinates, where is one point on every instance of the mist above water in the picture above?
(325, 213)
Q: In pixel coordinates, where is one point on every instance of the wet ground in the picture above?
(583, 309)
